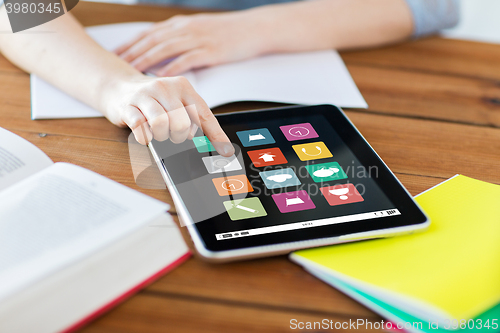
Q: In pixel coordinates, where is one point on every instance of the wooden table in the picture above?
(434, 112)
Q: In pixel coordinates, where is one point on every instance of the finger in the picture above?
(192, 131)
(138, 48)
(136, 121)
(147, 42)
(192, 111)
(124, 47)
(167, 96)
(154, 28)
(171, 24)
(210, 126)
(180, 124)
(162, 51)
(195, 120)
(193, 59)
(156, 116)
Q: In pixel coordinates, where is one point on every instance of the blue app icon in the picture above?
(279, 178)
(255, 137)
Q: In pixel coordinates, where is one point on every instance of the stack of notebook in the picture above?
(445, 278)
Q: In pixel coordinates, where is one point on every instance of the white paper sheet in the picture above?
(298, 78)
(301, 78)
(478, 22)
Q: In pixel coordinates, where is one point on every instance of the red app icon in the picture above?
(265, 157)
(341, 194)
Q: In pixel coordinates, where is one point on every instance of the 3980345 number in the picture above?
(33, 8)
(471, 324)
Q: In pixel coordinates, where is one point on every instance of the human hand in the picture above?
(163, 108)
(196, 41)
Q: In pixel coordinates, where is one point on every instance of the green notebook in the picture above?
(447, 274)
(488, 321)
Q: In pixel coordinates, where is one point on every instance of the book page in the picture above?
(19, 159)
(61, 215)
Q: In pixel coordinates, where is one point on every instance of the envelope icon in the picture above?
(256, 137)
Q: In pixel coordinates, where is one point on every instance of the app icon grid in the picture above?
(279, 178)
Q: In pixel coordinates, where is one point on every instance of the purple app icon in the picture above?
(299, 132)
(293, 201)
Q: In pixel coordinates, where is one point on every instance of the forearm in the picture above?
(333, 24)
(62, 53)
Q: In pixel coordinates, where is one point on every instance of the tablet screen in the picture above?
(298, 173)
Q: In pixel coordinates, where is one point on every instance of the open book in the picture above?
(72, 242)
(300, 78)
(446, 278)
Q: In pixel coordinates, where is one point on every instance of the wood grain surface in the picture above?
(434, 112)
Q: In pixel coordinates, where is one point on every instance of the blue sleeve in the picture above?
(430, 16)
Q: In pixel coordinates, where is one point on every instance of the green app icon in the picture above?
(202, 144)
(244, 208)
(325, 172)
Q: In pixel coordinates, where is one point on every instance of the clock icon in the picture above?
(233, 185)
(299, 131)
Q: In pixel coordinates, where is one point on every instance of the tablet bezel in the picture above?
(412, 218)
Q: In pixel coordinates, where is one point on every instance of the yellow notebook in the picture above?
(451, 271)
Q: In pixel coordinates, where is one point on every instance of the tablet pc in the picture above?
(301, 176)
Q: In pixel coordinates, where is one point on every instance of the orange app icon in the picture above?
(265, 157)
(232, 185)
